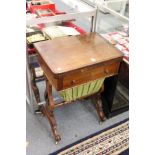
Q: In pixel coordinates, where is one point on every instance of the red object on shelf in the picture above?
(31, 50)
(40, 26)
(33, 8)
(70, 24)
(51, 6)
(44, 12)
(45, 15)
(60, 13)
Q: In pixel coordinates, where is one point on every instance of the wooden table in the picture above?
(73, 60)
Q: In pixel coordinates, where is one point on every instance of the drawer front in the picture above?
(88, 74)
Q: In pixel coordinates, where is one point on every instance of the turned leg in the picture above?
(48, 111)
(98, 105)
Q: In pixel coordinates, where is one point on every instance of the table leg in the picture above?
(48, 111)
(99, 109)
(98, 104)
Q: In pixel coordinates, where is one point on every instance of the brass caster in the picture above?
(57, 142)
(58, 139)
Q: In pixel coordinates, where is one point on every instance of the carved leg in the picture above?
(98, 105)
(52, 121)
(48, 111)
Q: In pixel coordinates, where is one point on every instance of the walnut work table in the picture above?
(71, 62)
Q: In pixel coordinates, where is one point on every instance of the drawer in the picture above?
(88, 74)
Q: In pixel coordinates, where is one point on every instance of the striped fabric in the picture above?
(86, 89)
(53, 32)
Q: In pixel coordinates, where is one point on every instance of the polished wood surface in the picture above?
(73, 52)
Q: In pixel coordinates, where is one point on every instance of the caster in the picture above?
(57, 139)
(56, 142)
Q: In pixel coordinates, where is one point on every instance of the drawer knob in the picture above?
(73, 82)
(106, 71)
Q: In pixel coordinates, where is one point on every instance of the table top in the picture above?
(69, 53)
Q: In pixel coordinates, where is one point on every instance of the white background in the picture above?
(13, 77)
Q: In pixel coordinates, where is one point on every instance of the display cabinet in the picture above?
(116, 95)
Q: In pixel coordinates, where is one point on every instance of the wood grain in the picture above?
(65, 54)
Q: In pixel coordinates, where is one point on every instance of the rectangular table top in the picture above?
(69, 53)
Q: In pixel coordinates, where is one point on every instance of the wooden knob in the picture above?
(106, 71)
(73, 82)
